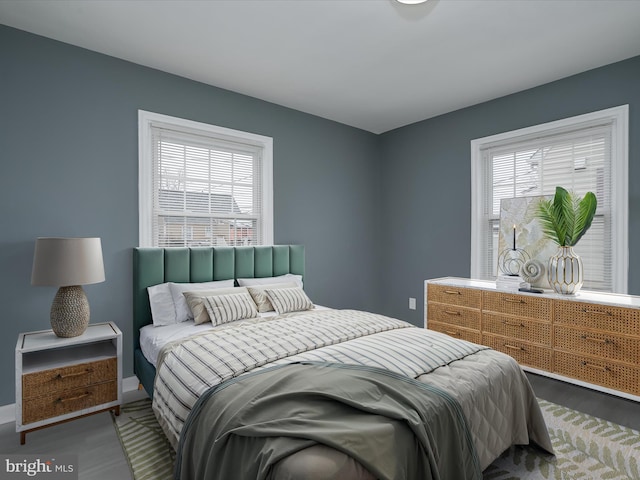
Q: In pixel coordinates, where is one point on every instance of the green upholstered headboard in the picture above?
(152, 266)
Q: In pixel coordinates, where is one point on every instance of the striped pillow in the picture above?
(195, 301)
(229, 308)
(285, 300)
(260, 297)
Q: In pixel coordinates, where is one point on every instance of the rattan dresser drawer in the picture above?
(61, 379)
(457, 332)
(466, 297)
(600, 372)
(518, 328)
(54, 404)
(525, 353)
(598, 317)
(598, 343)
(454, 315)
(515, 304)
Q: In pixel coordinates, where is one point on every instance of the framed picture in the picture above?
(520, 213)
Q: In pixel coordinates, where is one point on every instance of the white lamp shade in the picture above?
(67, 261)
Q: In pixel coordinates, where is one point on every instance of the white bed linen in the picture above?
(153, 338)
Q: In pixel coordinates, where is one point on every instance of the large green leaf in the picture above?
(566, 218)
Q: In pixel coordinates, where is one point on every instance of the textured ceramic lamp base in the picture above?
(70, 312)
(565, 272)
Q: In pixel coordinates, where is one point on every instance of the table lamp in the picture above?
(68, 263)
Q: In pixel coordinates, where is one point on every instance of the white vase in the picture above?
(565, 272)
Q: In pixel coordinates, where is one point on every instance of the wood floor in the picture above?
(100, 455)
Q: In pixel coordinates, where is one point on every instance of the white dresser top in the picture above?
(615, 299)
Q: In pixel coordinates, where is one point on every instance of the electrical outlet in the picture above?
(412, 303)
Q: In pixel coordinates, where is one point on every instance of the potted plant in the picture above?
(565, 219)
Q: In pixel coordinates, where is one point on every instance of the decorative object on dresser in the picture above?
(512, 259)
(565, 220)
(59, 379)
(592, 339)
(520, 212)
(68, 263)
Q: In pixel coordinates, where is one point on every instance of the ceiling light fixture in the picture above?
(411, 2)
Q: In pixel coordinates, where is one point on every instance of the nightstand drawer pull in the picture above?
(597, 340)
(597, 367)
(597, 312)
(514, 347)
(77, 397)
(70, 375)
(452, 333)
(513, 300)
(452, 312)
(452, 292)
(513, 324)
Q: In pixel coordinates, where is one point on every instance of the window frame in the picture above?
(145, 167)
(619, 119)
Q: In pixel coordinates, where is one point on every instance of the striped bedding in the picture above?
(187, 368)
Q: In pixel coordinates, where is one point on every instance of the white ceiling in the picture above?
(373, 64)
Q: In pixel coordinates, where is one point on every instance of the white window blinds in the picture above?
(206, 189)
(581, 157)
(578, 161)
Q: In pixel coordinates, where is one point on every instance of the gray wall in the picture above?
(378, 214)
(69, 153)
(427, 172)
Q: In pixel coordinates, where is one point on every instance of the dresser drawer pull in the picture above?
(452, 312)
(77, 397)
(453, 334)
(597, 340)
(514, 300)
(514, 347)
(452, 292)
(70, 375)
(596, 367)
(597, 312)
(513, 324)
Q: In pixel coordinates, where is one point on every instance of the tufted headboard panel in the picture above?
(152, 266)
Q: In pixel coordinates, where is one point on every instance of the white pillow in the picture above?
(196, 303)
(285, 300)
(163, 311)
(287, 278)
(230, 307)
(177, 289)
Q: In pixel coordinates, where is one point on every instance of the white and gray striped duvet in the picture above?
(187, 368)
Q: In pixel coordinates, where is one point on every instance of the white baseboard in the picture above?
(8, 412)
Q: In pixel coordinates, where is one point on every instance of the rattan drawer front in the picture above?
(599, 344)
(52, 405)
(598, 317)
(520, 305)
(61, 379)
(525, 353)
(457, 332)
(517, 328)
(601, 372)
(466, 297)
(454, 315)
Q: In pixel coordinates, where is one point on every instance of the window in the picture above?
(584, 153)
(203, 185)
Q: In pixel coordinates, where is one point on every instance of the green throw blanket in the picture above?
(396, 427)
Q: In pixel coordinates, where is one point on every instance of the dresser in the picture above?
(590, 339)
(59, 379)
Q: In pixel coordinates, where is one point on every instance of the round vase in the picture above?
(565, 272)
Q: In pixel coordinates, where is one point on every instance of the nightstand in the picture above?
(60, 379)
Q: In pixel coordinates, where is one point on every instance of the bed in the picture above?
(329, 361)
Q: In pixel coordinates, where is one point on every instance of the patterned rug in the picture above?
(586, 447)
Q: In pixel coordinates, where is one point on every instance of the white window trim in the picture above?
(145, 187)
(619, 177)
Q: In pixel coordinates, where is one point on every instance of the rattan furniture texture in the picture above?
(591, 339)
(60, 379)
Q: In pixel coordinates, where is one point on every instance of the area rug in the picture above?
(586, 448)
